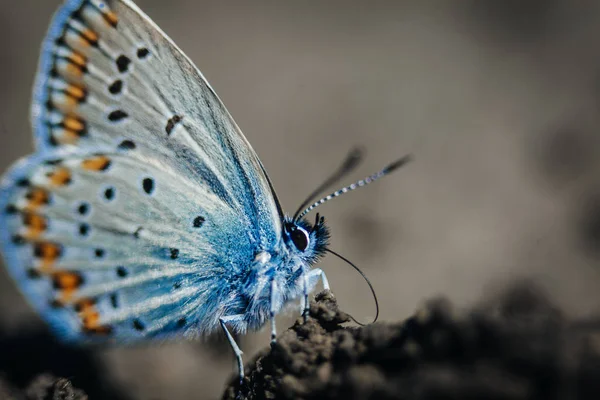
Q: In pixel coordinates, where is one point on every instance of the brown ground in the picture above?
(518, 346)
(44, 387)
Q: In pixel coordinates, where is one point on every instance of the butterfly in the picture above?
(144, 212)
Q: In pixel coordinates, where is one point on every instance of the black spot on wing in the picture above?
(122, 272)
(148, 185)
(52, 141)
(56, 304)
(99, 253)
(172, 122)
(116, 87)
(117, 115)
(17, 240)
(174, 254)
(138, 325)
(23, 182)
(109, 193)
(84, 229)
(142, 53)
(32, 273)
(83, 208)
(127, 145)
(198, 221)
(123, 63)
(11, 209)
(54, 161)
(114, 301)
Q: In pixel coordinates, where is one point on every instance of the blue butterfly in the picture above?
(145, 213)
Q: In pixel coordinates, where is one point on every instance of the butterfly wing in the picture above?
(144, 196)
(108, 75)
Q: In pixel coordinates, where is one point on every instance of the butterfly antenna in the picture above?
(363, 182)
(352, 160)
(366, 280)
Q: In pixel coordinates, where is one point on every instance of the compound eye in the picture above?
(300, 237)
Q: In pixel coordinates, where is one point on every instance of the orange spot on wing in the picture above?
(78, 59)
(47, 253)
(90, 318)
(74, 70)
(111, 18)
(67, 283)
(74, 124)
(72, 128)
(63, 101)
(60, 176)
(99, 163)
(82, 42)
(90, 36)
(36, 225)
(85, 306)
(36, 198)
(66, 136)
(77, 41)
(67, 280)
(75, 91)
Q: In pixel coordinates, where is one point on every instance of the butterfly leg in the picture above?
(304, 298)
(272, 312)
(234, 346)
(309, 280)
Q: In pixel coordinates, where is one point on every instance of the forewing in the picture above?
(109, 76)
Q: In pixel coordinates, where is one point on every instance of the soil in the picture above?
(516, 346)
(44, 387)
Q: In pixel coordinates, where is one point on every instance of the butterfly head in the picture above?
(306, 240)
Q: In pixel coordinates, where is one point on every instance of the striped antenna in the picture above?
(363, 182)
(352, 160)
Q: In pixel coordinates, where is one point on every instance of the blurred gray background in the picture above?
(498, 101)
